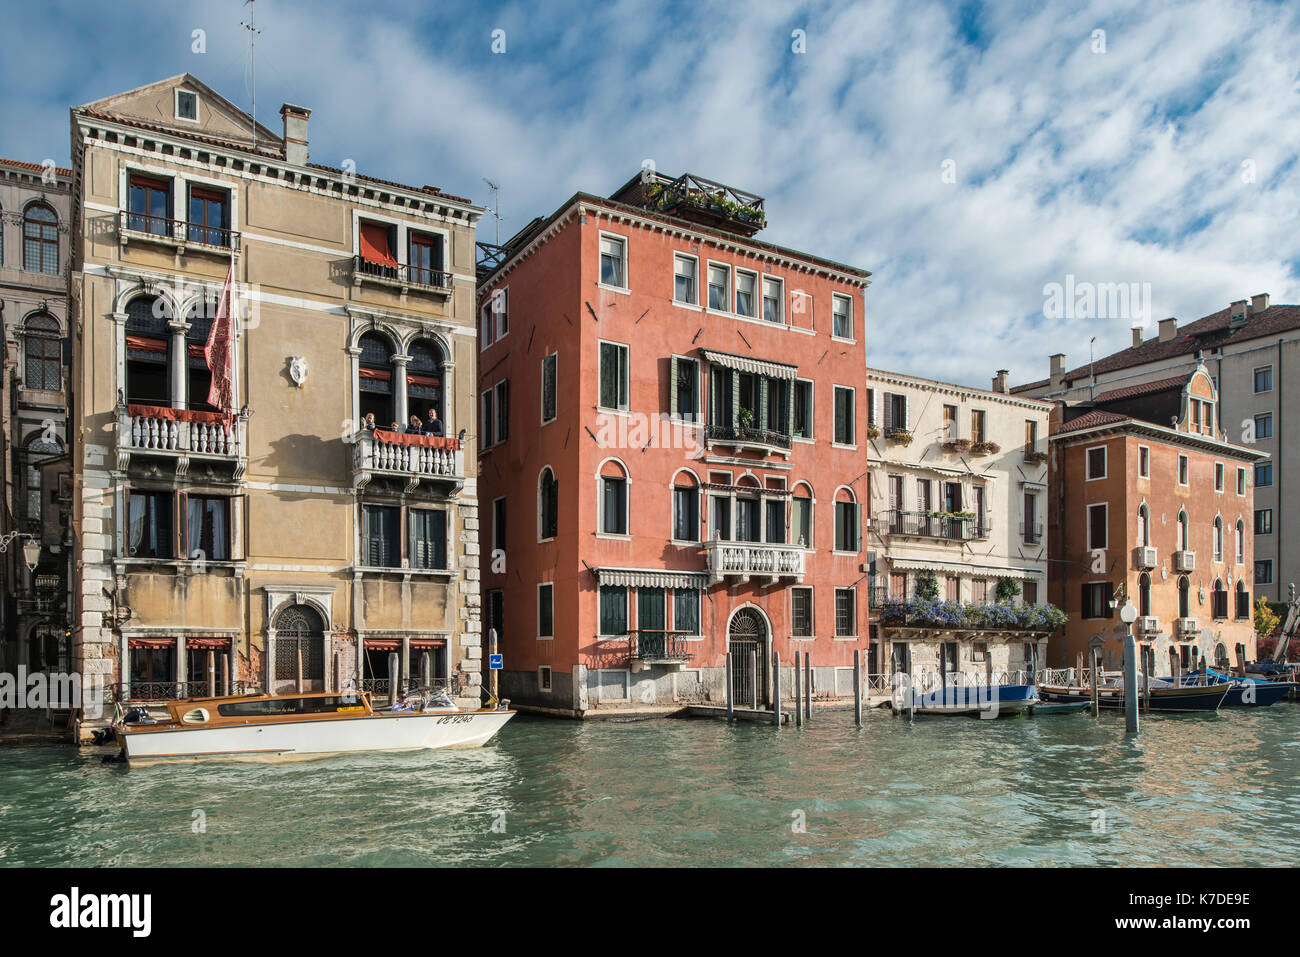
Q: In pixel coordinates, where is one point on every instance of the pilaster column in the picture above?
(400, 406)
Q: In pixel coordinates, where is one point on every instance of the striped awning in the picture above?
(776, 370)
(965, 570)
(649, 578)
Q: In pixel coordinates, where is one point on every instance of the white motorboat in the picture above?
(302, 726)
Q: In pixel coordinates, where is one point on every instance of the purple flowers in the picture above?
(924, 612)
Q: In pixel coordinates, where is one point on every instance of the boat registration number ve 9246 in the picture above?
(456, 719)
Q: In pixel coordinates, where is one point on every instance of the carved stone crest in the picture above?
(298, 370)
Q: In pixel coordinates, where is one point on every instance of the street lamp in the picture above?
(31, 548)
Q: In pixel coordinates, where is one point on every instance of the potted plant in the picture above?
(899, 435)
(873, 431)
(985, 448)
(957, 446)
(1036, 458)
(746, 417)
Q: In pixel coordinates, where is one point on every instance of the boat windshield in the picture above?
(265, 706)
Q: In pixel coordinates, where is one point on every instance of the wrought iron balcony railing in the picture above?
(1031, 532)
(746, 435)
(922, 525)
(651, 644)
(402, 275)
(176, 232)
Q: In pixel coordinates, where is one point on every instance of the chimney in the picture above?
(1237, 311)
(1058, 370)
(1137, 336)
(1168, 329)
(295, 133)
(1258, 303)
(1000, 383)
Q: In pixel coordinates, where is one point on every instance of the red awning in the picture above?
(383, 644)
(206, 644)
(196, 352)
(428, 441)
(374, 244)
(429, 381)
(382, 375)
(151, 642)
(427, 644)
(147, 344)
(175, 415)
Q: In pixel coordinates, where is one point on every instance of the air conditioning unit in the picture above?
(1184, 561)
(1146, 556)
(1186, 626)
(1148, 625)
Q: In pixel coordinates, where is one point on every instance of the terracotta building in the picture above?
(1150, 502)
(276, 542)
(672, 452)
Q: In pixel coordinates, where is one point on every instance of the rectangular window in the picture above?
(487, 419)
(686, 514)
(1184, 470)
(613, 262)
(775, 521)
(149, 520)
(1264, 573)
(651, 610)
(208, 527)
(424, 254)
(685, 398)
(952, 588)
(1031, 435)
(546, 610)
(1263, 521)
(428, 538)
(846, 527)
(845, 434)
(149, 203)
(719, 287)
(746, 282)
(748, 527)
(721, 518)
(1033, 534)
(978, 433)
(187, 105)
(543, 677)
(548, 387)
(685, 278)
(1144, 462)
(503, 410)
(613, 376)
(846, 612)
(801, 522)
(773, 299)
(613, 506)
(499, 525)
(209, 216)
(1263, 475)
(1097, 463)
(383, 547)
(1264, 425)
(1218, 476)
(803, 408)
(686, 610)
(1264, 379)
(1096, 600)
(1029, 591)
(950, 423)
(895, 411)
(842, 316)
(613, 610)
(801, 612)
(1241, 481)
(1096, 526)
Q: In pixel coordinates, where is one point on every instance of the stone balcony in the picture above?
(743, 560)
(182, 436)
(410, 459)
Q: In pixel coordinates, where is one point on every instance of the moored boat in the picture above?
(1058, 707)
(302, 726)
(970, 700)
(1248, 691)
(1205, 697)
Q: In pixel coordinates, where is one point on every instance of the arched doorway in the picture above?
(747, 640)
(300, 636)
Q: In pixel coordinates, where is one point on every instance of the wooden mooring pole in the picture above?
(798, 687)
(225, 673)
(299, 678)
(731, 707)
(753, 670)
(392, 678)
(776, 688)
(1096, 691)
(212, 672)
(1130, 684)
(1148, 660)
(857, 686)
(807, 685)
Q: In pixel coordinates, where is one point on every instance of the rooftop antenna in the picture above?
(496, 205)
(251, 27)
(1092, 386)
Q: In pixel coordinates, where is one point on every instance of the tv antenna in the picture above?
(251, 26)
(496, 205)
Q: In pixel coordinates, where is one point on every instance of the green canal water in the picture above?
(1062, 790)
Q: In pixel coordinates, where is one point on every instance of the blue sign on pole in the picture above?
(495, 662)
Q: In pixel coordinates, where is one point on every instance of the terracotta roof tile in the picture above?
(1144, 388)
(34, 167)
(1090, 419)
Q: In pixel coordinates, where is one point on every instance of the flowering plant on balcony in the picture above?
(1036, 458)
(1000, 616)
(985, 448)
(900, 435)
(873, 431)
(956, 446)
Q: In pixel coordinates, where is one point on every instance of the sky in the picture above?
(976, 158)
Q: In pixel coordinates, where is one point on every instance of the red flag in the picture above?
(219, 351)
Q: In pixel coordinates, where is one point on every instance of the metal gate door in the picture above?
(747, 642)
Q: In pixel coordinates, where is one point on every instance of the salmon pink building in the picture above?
(673, 424)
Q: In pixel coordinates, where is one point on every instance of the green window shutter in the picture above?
(789, 406)
(672, 386)
(735, 398)
(760, 417)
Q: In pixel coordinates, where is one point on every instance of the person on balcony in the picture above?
(368, 424)
(395, 427)
(434, 426)
(415, 426)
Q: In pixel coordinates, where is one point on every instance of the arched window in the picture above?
(42, 349)
(148, 348)
(612, 504)
(1221, 655)
(548, 505)
(40, 239)
(375, 384)
(424, 384)
(299, 643)
(749, 503)
(198, 377)
(847, 521)
(1183, 538)
(686, 506)
(1243, 599)
(1239, 544)
(1219, 600)
(1144, 525)
(1144, 595)
(38, 449)
(1184, 597)
(801, 516)
(1218, 539)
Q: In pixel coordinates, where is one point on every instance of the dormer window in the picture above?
(187, 105)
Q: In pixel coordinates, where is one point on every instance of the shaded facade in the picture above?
(1150, 503)
(282, 543)
(675, 464)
